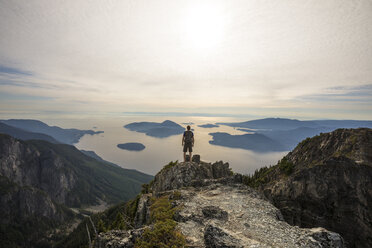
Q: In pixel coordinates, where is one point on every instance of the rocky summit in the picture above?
(198, 204)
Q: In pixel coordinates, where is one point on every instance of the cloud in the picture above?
(11, 70)
(136, 55)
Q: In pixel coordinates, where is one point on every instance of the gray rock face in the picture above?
(19, 203)
(214, 237)
(331, 185)
(219, 212)
(114, 239)
(328, 239)
(26, 166)
(118, 238)
(252, 221)
(188, 174)
(196, 158)
(143, 212)
(214, 212)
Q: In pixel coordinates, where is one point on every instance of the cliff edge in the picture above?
(325, 181)
(202, 204)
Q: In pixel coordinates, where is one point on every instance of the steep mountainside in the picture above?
(325, 181)
(198, 205)
(66, 136)
(41, 180)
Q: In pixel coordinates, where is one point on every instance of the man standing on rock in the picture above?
(187, 142)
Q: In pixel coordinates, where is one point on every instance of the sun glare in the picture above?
(204, 26)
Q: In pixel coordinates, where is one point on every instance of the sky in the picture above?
(306, 59)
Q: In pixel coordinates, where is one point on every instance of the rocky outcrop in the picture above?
(214, 210)
(118, 238)
(221, 215)
(18, 203)
(26, 166)
(330, 186)
(32, 183)
(142, 215)
(189, 174)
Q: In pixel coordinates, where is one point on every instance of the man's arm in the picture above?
(192, 140)
(183, 140)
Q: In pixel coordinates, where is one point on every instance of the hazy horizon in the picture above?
(254, 59)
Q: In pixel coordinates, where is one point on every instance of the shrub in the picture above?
(161, 209)
(260, 176)
(119, 222)
(169, 165)
(131, 207)
(286, 166)
(163, 233)
(101, 226)
(145, 188)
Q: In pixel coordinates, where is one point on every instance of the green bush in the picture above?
(119, 223)
(161, 209)
(260, 176)
(101, 226)
(145, 188)
(169, 165)
(286, 166)
(163, 233)
(131, 207)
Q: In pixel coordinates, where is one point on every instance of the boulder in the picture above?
(189, 174)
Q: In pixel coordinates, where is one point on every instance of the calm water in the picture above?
(159, 151)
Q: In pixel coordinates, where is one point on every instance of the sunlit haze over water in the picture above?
(160, 151)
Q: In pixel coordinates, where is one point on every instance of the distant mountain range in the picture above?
(288, 124)
(208, 125)
(154, 129)
(25, 135)
(60, 135)
(279, 134)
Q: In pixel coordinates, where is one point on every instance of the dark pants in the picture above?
(187, 146)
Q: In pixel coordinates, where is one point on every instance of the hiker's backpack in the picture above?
(188, 136)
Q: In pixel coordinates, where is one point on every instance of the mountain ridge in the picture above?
(325, 181)
(67, 136)
(41, 180)
(193, 204)
(25, 135)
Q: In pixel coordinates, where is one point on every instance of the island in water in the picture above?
(255, 142)
(131, 146)
(154, 129)
(209, 125)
